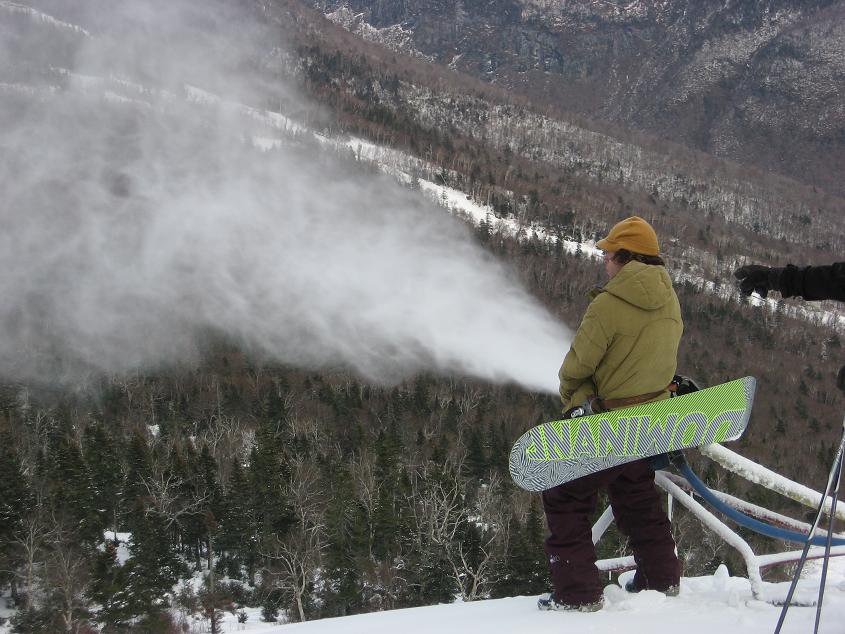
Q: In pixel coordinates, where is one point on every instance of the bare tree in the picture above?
(363, 472)
(468, 401)
(35, 533)
(438, 503)
(436, 508)
(298, 557)
(127, 384)
(474, 573)
(66, 571)
(164, 496)
(298, 554)
(309, 428)
(225, 439)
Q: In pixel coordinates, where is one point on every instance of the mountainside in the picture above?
(529, 167)
(756, 82)
(278, 299)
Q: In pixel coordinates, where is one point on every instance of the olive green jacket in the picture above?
(627, 343)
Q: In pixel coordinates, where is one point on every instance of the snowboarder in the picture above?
(624, 353)
(810, 282)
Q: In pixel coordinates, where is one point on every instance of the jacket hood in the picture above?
(645, 286)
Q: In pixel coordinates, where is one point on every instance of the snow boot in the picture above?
(547, 602)
(671, 591)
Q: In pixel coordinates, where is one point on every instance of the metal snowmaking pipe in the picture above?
(742, 519)
(752, 567)
(752, 510)
(758, 474)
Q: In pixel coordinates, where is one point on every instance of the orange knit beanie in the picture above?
(632, 234)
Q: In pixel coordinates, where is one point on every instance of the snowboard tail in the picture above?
(557, 452)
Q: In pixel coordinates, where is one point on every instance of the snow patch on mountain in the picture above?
(619, 12)
(38, 16)
(394, 37)
(27, 89)
(729, 55)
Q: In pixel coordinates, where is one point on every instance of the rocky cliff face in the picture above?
(757, 81)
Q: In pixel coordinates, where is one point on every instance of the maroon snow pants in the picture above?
(639, 515)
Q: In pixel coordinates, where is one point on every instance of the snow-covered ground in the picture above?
(717, 604)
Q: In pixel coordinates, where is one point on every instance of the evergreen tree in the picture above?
(268, 472)
(102, 459)
(189, 530)
(475, 465)
(208, 489)
(535, 532)
(110, 588)
(525, 568)
(15, 498)
(347, 548)
(213, 600)
(237, 541)
(70, 487)
(153, 568)
(431, 580)
(500, 448)
(31, 620)
(387, 517)
(138, 470)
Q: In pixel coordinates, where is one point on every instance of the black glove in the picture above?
(760, 279)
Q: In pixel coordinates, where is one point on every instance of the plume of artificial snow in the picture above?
(132, 229)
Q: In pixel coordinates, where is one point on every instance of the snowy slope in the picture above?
(276, 131)
(719, 604)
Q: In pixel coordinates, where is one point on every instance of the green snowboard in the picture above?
(555, 453)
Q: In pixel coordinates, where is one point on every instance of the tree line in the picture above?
(306, 495)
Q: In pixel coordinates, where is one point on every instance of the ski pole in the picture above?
(832, 516)
(833, 473)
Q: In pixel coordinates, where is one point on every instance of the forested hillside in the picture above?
(754, 82)
(320, 495)
(201, 469)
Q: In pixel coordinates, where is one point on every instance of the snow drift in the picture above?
(706, 605)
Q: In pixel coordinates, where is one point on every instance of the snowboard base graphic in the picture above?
(555, 453)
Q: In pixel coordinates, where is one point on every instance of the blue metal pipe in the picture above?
(744, 520)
